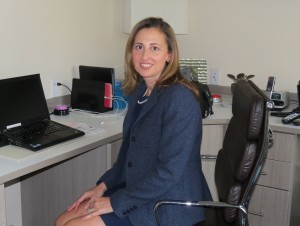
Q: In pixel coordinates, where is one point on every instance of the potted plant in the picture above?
(240, 76)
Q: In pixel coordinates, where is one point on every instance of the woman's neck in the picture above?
(150, 86)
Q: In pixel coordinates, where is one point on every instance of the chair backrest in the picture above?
(245, 145)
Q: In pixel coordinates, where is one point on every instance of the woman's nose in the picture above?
(145, 54)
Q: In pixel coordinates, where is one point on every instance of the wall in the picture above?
(54, 37)
(254, 37)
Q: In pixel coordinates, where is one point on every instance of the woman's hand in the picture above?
(100, 205)
(89, 196)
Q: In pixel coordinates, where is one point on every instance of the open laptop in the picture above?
(24, 115)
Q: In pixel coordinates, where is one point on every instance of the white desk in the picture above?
(16, 174)
(38, 187)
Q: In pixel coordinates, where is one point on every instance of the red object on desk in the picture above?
(216, 98)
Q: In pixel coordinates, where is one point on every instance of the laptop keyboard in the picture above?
(36, 130)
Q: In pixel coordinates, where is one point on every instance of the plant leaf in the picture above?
(240, 76)
(231, 77)
(249, 77)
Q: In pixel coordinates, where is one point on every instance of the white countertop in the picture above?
(16, 162)
(222, 114)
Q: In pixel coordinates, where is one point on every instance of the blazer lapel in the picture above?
(148, 106)
(151, 102)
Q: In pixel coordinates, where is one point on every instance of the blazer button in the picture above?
(133, 138)
(129, 164)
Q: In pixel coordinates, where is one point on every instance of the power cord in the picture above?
(60, 84)
(115, 114)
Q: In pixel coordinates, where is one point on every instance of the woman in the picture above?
(159, 157)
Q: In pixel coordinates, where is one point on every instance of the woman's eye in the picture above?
(155, 48)
(139, 47)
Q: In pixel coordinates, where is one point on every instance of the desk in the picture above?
(43, 184)
(39, 187)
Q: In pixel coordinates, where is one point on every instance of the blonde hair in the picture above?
(171, 73)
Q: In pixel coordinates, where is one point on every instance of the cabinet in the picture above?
(212, 140)
(136, 10)
(112, 152)
(48, 192)
(276, 194)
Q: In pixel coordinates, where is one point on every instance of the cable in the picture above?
(115, 99)
(60, 84)
(115, 114)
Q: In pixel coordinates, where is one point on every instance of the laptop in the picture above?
(24, 116)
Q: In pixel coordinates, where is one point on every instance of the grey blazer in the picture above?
(159, 159)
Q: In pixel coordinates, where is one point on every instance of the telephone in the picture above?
(293, 117)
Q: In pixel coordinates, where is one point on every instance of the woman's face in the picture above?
(150, 53)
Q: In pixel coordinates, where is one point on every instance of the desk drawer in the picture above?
(2, 206)
(212, 139)
(275, 174)
(268, 206)
(282, 147)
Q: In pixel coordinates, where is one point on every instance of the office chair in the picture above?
(239, 162)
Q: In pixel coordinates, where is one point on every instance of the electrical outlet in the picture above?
(214, 76)
(54, 88)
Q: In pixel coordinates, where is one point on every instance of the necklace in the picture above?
(144, 98)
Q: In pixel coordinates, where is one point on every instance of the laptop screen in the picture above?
(22, 101)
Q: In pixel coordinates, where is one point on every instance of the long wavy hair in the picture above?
(171, 73)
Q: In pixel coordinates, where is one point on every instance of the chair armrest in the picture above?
(197, 204)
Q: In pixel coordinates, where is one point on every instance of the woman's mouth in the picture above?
(146, 65)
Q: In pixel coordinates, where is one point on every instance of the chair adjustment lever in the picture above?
(260, 214)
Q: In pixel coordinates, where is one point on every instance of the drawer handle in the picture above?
(208, 157)
(260, 214)
(263, 173)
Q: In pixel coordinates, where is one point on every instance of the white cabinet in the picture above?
(175, 12)
(269, 206)
(276, 193)
(112, 152)
(212, 141)
(48, 192)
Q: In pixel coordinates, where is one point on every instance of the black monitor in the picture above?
(102, 74)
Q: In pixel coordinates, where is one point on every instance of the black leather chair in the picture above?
(240, 161)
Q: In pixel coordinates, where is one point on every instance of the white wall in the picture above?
(54, 37)
(254, 37)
